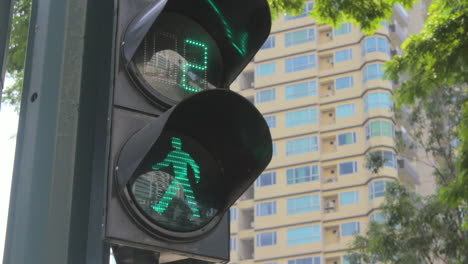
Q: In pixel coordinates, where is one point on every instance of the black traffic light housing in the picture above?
(225, 140)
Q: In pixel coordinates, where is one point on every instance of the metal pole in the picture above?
(6, 8)
(58, 185)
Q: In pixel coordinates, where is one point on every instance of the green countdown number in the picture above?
(201, 65)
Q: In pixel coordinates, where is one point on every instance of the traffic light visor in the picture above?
(184, 170)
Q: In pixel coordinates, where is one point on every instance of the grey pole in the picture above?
(6, 7)
(58, 186)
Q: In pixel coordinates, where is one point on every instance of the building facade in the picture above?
(322, 93)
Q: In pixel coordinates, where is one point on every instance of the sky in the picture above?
(9, 124)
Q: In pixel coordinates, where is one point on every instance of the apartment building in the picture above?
(322, 94)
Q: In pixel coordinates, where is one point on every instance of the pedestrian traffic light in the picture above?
(183, 147)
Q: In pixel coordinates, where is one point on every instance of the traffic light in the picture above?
(183, 147)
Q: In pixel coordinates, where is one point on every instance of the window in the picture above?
(265, 96)
(300, 90)
(301, 117)
(389, 158)
(269, 43)
(343, 29)
(377, 189)
(346, 138)
(344, 82)
(300, 63)
(378, 100)
(264, 209)
(299, 37)
(379, 128)
(347, 260)
(266, 239)
(375, 44)
(343, 55)
(271, 121)
(350, 229)
(308, 7)
(303, 204)
(348, 167)
(373, 71)
(345, 110)
(301, 145)
(303, 174)
(233, 214)
(265, 69)
(378, 217)
(233, 244)
(274, 149)
(266, 179)
(309, 260)
(303, 235)
(347, 198)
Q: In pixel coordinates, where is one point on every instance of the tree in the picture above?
(420, 229)
(434, 61)
(366, 13)
(17, 51)
(414, 229)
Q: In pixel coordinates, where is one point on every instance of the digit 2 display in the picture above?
(174, 62)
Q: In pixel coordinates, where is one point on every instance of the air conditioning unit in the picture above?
(252, 84)
(330, 61)
(332, 171)
(392, 27)
(329, 35)
(252, 224)
(393, 53)
(332, 142)
(330, 114)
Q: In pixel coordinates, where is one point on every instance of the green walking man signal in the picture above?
(180, 161)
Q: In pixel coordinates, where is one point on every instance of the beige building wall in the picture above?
(316, 192)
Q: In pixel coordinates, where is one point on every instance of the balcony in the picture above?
(246, 80)
(328, 145)
(330, 204)
(406, 172)
(246, 249)
(405, 143)
(327, 89)
(397, 33)
(326, 62)
(330, 174)
(246, 219)
(400, 13)
(332, 235)
(335, 260)
(248, 194)
(325, 35)
(327, 117)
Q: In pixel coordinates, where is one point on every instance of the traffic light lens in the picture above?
(178, 58)
(170, 191)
